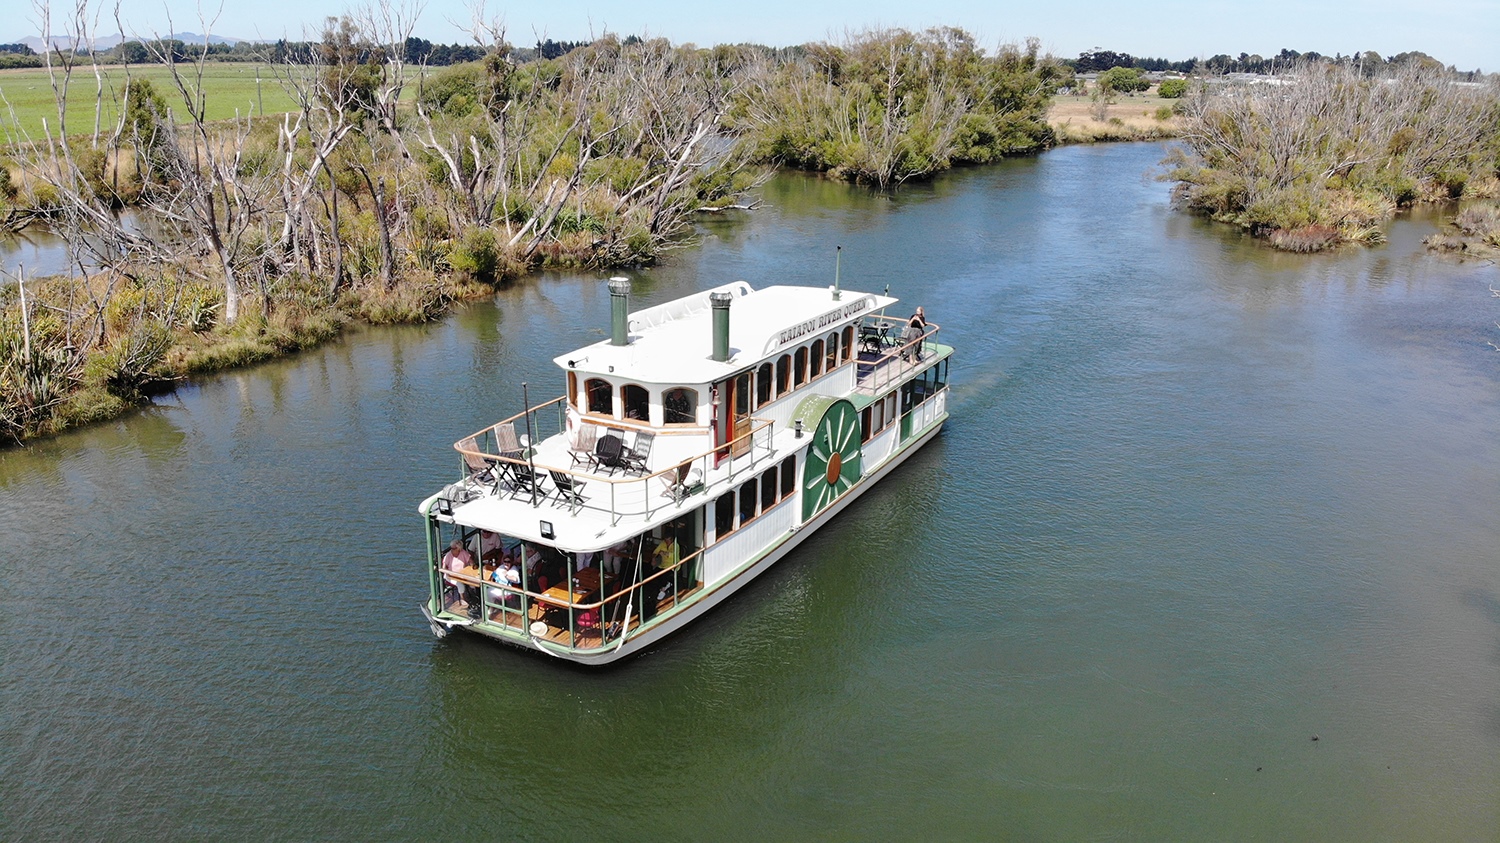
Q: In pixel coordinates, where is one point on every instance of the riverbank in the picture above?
(152, 339)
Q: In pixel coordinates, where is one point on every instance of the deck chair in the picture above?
(569, 488)
(670, 487)
(506, 440)
(581, 449)
(480, 469)
(524, 479)
(634, 458)
(681, 483)
(608, 452)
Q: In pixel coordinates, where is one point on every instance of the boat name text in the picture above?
(839, 314)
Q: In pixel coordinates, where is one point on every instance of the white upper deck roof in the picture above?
(673, 342)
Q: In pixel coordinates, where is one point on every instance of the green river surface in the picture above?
(1198, 502)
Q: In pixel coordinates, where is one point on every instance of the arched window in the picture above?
(817, 359)
(848, 342)
(832, 358)
(763, 385)
(799, 367)
(573, 390)
(784, 374)
(636, 401)
(599, 400)
(679, 406)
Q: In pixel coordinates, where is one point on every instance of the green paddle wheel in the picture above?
(833, 462)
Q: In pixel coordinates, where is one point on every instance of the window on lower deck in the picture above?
(768, 489)
(788, 476)
(724, 515)
(749, 503)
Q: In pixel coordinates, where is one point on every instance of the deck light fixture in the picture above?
(445, 507)
(547, 532)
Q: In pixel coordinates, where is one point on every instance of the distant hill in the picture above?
(106, 42)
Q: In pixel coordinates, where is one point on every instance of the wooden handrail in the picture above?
(757, 425)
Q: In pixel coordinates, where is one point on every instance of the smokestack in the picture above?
(720, 302)
(619, 311)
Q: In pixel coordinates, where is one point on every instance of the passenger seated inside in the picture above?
(455, 560)
(506, 574)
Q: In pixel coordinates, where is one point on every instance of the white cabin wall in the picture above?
(720, 560)
(879, 448)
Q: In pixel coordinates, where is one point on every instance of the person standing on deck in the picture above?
(916, 328)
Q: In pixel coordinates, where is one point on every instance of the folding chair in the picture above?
(569, 488)
(634, 458)
(525, 479)
(581, 449)
(481, 470)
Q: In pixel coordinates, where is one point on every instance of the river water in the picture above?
(1198, 503)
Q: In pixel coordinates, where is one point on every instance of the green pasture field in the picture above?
(228, 88)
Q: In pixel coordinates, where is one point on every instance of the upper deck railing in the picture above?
(549, 449)
(886, 356)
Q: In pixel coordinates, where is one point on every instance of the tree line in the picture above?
(1368, 63)
(417, 51)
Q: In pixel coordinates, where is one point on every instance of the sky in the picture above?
(1465, 33)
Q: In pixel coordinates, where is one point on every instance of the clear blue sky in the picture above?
(1461, 32)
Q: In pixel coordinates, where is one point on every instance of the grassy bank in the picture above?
(1074, 118)
(154, 336)
(1474, 232)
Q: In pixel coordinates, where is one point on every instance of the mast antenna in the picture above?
(838, 258)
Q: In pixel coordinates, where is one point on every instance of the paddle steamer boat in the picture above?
(692, 450)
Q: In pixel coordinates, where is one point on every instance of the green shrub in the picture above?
(455, 90)
(477, 255)
(1171, 89)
